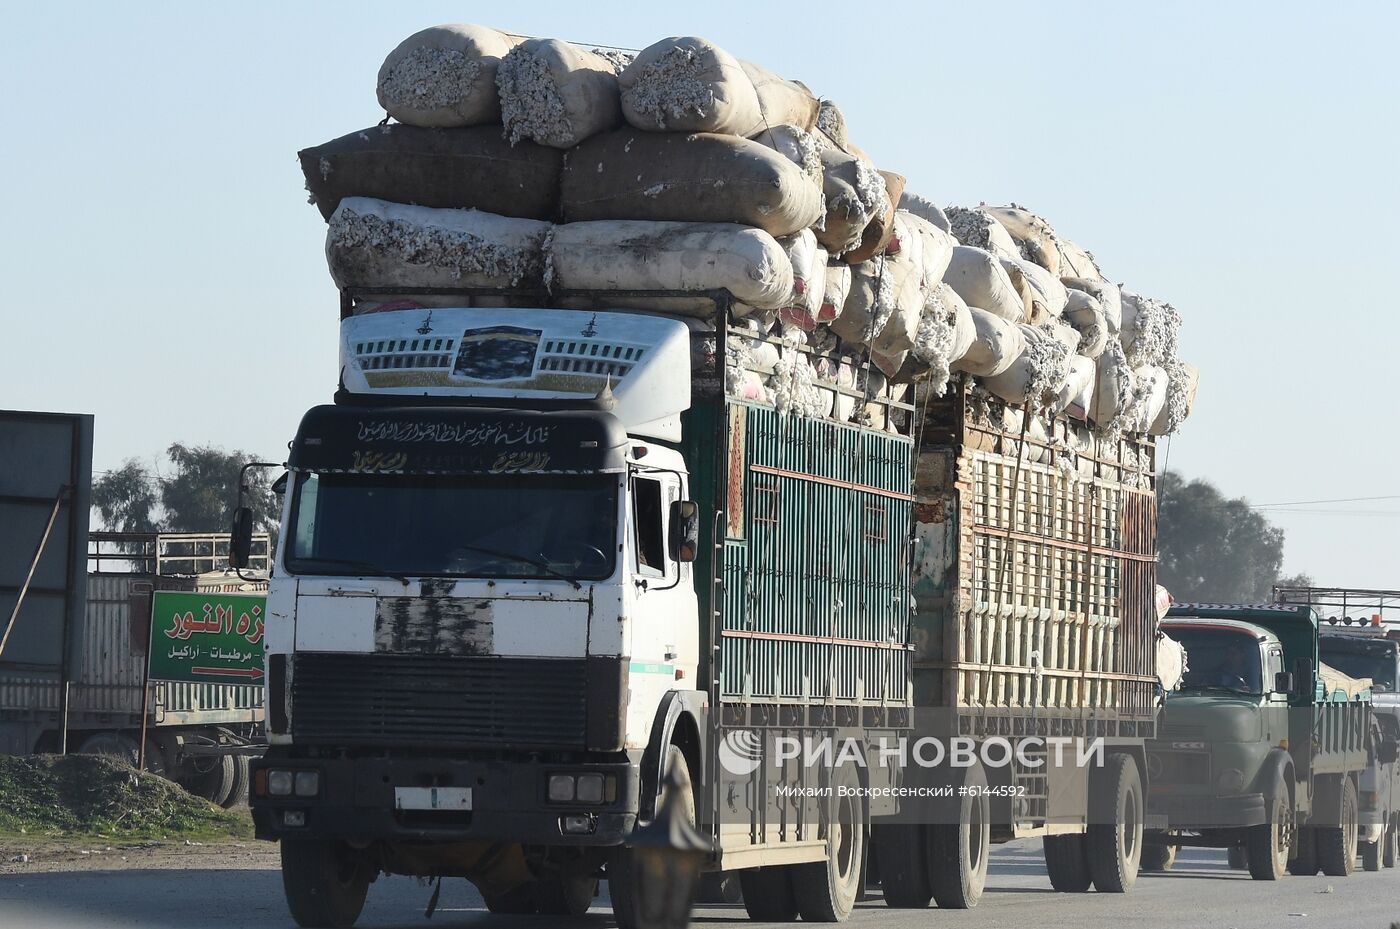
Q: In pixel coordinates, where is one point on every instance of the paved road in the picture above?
(1199, 894)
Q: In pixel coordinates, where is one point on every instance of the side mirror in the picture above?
(1283, 682)
(685, 530)
(1303, 684)
(240, 545)
(1388, 751)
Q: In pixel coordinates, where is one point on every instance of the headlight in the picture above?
(308, 783)
(279, 783)
(1231, 781)
(590, 788)
(561, 788)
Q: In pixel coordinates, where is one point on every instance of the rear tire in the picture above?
(826, 891)
(1391, 839)
(324, 882)
(957, 852)
(213, 778)
(1067, 860)
(1336, 845)
(112, 745)
(238, 786)
(1115, 847)
(1236, 858)
(1267, 845)
(903, 865)
(1158, 858)
(768, 896)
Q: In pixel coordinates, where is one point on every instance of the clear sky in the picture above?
(165, 272)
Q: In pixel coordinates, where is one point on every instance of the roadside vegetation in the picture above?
(93, 795)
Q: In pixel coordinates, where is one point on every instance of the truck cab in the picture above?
(482, 617)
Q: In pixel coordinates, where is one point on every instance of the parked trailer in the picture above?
(1034, 587)
(198, 734)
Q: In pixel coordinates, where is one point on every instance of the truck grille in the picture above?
(429, 700)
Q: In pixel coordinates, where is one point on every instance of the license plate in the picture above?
(433, 798)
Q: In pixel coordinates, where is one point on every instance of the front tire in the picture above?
(1267, 845)
(1391, 839)
(324, 882)
(1336, 845)
(1236, 858)
(1115, 847)
(634, 902)
(1305, 864)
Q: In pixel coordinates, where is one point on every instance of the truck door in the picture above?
(664, 636)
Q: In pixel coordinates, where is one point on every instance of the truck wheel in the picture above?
(1392, 838)
(634, 902)
(325, 883)
(826, 891)
(213, 778)
(1067, 860)
(1371, 855)
(903, 865)
(238, 784)
(566, 894)
(1336, 845)
(1267, 845)
(957, 852)
(768, 896)
(1304, 863)
(720, 887)
(1236, 858)
(1158, 858)
(1115, 842)
(520, 900)
(113, 745)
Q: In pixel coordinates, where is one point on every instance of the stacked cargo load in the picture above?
(540, 166)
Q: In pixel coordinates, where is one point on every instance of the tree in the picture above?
(126, 499)
(197, 496)
(1212, 548)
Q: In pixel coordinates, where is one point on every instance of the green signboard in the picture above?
(207, 638)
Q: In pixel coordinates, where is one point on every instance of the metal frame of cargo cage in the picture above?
(749, 715)
(1332, 603)
(158, 552)
(946, 428)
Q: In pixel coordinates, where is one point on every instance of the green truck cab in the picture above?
(1261, 746)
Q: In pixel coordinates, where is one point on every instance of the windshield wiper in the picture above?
(367, 566)
(523, 559)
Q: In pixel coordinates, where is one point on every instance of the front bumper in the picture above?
(356, 802)
(1196, 812)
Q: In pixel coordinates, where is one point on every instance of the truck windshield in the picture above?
(515, 526)
(1378, 666)
(1219, 659)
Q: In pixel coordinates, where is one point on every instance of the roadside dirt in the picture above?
(26, 855)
